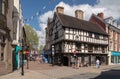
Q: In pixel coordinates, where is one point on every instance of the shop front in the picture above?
(115, 57)
(16, 58)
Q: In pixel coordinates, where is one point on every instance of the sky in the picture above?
(36, 12)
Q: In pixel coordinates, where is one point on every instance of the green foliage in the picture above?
(41, 48)
(31, 36)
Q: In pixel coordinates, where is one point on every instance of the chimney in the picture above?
(79, 14)
(60, 9)
(101, 15)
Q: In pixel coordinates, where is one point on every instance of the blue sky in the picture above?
(46, 8)
(31, 7)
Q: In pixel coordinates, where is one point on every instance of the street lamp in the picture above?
(22, 69)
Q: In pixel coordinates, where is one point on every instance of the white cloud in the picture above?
(43, 18)
(112, 7)
(41, 35)
(108, 7)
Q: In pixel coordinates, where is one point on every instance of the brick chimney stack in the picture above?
(79, 14)
(101, 15)
(60, 9)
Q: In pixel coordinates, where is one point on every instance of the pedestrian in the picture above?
(72, 61)
(40, 60)
(31, 55)
(97, 63)
(75, 62)
(78, 63)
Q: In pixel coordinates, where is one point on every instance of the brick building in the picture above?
(111, 26)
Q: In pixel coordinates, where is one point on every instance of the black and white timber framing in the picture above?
(69, 34)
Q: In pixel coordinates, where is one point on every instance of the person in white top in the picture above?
(97, 63)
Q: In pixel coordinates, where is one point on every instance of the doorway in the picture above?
(99, 58)
(65, 61)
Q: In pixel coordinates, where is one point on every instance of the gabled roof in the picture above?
(93, 15)
(73, 22)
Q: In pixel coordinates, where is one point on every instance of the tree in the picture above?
(41, 49)
(31, 36)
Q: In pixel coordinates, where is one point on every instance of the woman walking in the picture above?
(97, 63)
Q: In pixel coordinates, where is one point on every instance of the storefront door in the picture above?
(115, 59)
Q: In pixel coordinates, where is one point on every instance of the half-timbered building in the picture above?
(74, 37)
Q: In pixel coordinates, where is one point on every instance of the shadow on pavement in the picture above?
(111, 74)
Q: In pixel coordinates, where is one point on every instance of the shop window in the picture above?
(103, 60)
(118, 59)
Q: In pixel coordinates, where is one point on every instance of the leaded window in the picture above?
(90, 35)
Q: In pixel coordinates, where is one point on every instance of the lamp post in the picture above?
(22, 69)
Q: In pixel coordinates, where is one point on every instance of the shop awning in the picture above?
(115, 53)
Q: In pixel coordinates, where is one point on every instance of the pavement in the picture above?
(47, 71)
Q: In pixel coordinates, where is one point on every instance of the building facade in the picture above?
(111, 26)
(17, 32)
(48, 40)
(72, 37)
(6, 26)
